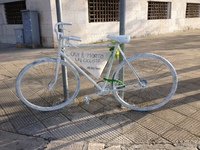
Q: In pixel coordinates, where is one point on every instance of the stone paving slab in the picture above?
(101, 146)
(103, 124)
(13, 141)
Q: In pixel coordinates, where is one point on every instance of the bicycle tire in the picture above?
(32, 83)
(159, 80)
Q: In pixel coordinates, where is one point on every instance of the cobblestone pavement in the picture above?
(102, 124)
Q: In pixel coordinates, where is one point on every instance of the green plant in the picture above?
(111, 48)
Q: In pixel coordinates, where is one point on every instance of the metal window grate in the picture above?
(13, 12)
(159, 10)
(103, 10)
(193, 10)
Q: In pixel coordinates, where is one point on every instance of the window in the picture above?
(192, 10)
(159, 10)
(13, 12)
(103, 10)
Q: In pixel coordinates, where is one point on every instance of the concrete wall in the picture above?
(7, 32)
(137, 23)
(46, 10)
(76, 11)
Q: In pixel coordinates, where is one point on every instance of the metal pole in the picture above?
(64, 71)
(122, 32)
(122, 17)
(58, 10)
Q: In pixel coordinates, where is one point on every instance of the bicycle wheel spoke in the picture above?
(157, 82)
(32, 85)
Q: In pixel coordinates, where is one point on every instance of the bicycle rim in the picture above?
(32, 85)
(158, 77)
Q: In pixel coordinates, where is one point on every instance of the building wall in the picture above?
(7, 32)
(137, 24)
(76, 12)
(46, 11)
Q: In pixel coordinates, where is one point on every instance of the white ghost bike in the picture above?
(141, 82)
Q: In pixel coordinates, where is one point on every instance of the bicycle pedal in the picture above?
(86, 100)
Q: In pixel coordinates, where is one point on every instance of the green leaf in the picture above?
(111, 48)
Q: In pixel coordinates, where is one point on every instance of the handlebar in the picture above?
(60, 34)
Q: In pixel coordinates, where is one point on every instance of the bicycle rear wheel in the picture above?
(32, 85)
(158, 78)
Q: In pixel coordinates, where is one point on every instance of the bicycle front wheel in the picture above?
(158, 82)
(33, 80)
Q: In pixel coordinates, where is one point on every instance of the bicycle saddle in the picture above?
(119, 38)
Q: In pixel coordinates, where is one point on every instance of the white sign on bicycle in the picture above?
(93, 61)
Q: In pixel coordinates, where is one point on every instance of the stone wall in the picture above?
(76, 11)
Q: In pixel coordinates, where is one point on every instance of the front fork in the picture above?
(58, 59)
(53, 81)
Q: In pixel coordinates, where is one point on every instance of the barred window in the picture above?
(192, 10)
(103, 10)
(159, 10)
(13, 12)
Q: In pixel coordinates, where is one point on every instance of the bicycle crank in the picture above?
(100, 83)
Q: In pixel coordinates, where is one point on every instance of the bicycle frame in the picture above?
(110, 64)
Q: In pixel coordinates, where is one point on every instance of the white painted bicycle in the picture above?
(141, 82)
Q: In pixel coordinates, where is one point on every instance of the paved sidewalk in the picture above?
(102, 124)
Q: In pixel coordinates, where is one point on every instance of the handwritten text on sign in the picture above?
(93, 61)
